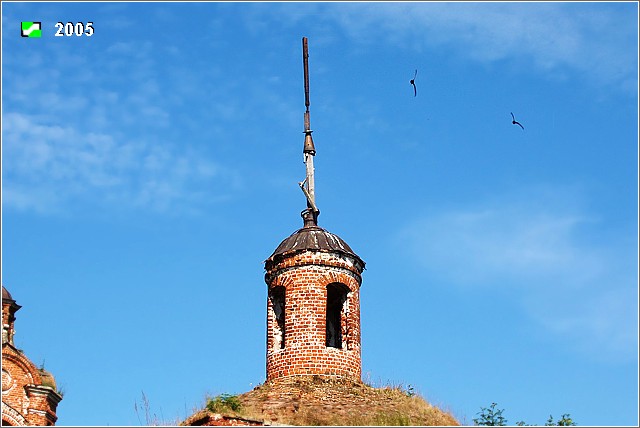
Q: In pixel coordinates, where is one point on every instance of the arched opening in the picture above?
(336, 322)
(277, 297)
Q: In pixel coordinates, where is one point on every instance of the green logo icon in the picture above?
(31, 29)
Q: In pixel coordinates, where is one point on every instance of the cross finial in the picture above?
(309, 150)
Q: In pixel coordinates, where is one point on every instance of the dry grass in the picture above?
(150, 417)
(315, 401)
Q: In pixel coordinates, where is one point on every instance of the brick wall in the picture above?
(29, 395)
(305, 277)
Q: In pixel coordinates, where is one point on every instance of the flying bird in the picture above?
(513, 121)
(413, 82)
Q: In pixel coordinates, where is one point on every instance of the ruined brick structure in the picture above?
(313, 306)
(314, 365)
(29, 394)
(313, 309)
(313, 279)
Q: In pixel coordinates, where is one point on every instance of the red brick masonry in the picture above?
(29, 395)
(305, 276)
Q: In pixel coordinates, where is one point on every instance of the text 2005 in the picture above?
(74, 29)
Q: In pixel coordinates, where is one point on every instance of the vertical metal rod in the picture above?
(305, 61)
(309, 149)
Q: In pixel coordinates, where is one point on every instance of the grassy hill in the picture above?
(311, 400)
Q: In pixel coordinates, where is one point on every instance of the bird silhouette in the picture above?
(516, 122)
(413, 82)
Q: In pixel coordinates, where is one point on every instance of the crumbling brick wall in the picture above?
(305, 277)
(29, 394)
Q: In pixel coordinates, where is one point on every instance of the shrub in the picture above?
(565, 421)
(489, 416)
(224, 402)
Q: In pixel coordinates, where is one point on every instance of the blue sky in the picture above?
(150, 169)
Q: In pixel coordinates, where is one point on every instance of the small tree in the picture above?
(565, 421)
(490, 416)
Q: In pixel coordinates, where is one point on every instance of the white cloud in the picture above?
(604, 323)
(101, 130)
(538, 247)
(510, 241)
(597, 40)
(51, 165)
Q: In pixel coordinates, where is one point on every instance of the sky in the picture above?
(149, 169)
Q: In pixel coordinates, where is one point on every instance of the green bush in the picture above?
(565, 421)
(490, 416)
(223, 403)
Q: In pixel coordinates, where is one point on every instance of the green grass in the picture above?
(224, 403)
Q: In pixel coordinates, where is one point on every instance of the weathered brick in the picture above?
(29, 394)
(305, 277)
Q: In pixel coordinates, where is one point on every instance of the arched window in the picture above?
(277, 297)
(336, 298)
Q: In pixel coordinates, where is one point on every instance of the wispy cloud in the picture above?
(98, 131)
(48, 166)
(596, 40)
(536, 248)
(601, 322)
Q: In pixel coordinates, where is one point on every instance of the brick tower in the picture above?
(313, 279)
(314, 365)
(29, 394)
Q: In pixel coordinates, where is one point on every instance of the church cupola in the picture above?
(313, 279)
(29, 394)
(9, 308)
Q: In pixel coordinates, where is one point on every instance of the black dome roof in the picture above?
(5, 294)
(313, 238)
(6, 298)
